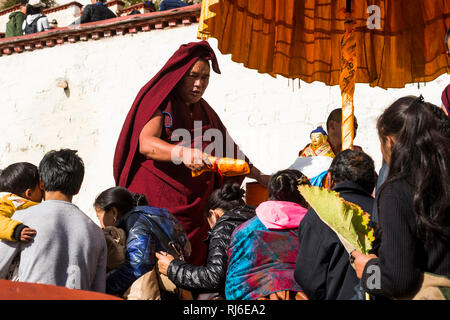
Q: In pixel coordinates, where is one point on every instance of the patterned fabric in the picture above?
(347, 81)
(323, 150)
(261, 261)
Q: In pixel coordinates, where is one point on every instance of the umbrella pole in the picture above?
(349, 87)
(347, 78)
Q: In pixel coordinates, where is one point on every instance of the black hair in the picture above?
(62, 171)
(120, 198)
(23, 3)
(354, 166)
(420, 155)
(442, 118)
(226, 198)
(18, 177)
(283, 186)
(336, 116)
(33, 10)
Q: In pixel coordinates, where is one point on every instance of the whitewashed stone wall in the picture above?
(65, 17)
(268, 117)
(83, 2)
(4, 18)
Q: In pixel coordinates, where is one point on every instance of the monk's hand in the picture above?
(164, 260)
(27, 234)
(263, 179)
(360, 261)
(195, 159)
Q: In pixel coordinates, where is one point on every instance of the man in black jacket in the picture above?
(171, 4)
(322, 268)
(96, 11)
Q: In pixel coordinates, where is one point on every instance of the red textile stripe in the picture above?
(216, 167)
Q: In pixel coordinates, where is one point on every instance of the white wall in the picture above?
(268, 118)
(65, 17)
(3, 21)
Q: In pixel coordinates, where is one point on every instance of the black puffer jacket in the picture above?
(211, 276)
(96, 12)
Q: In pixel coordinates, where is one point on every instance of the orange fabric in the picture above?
(301, 39)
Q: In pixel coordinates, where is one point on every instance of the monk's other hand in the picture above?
(263, 179)
(164, 260)
(194, 159)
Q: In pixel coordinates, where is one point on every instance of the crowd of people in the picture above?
(164, 230)
(29, 18)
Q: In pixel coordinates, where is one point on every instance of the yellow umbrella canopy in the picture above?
(389, 42)
(302, 39)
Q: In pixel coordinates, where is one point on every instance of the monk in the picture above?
(334, 125)
(152, 156)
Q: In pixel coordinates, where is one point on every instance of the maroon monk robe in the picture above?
(166, 184)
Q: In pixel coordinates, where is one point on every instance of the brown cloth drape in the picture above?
(301, 39)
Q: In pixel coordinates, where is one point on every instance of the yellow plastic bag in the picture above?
(226, 167)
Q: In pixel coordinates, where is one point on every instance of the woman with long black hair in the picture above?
(413, 205)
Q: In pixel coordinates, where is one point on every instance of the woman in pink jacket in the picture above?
(263, 250)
